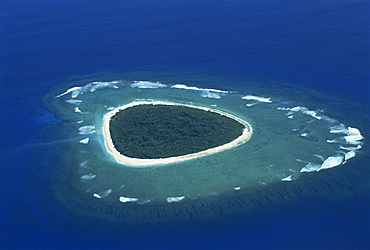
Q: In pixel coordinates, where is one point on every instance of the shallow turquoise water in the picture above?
(309, 53)
(289, 141)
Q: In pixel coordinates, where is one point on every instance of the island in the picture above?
(150, 132)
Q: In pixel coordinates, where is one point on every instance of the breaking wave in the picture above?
(85, 130)
(207, 93)
(147, 85)
(175, 199)
(292, 140)
(90, 87)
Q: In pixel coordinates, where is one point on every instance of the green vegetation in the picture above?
(160, 131)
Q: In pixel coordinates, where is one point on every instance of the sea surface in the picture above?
(311, 52)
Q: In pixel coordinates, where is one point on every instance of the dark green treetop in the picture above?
(160, 131)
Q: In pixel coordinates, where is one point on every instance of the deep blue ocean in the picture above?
(319, 45)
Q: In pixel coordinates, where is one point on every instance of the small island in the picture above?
(151, 132)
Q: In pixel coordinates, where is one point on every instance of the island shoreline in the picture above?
(136, 162)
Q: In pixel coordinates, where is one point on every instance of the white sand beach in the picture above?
(246, 135)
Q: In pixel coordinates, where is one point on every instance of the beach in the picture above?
(246, 135)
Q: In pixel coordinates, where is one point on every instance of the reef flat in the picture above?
(301, 146)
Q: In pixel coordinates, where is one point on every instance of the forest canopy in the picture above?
(159, 131)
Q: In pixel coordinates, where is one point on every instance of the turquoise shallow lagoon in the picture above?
(281, 65)
(293, 141)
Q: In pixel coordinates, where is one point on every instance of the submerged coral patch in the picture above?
(292, 141)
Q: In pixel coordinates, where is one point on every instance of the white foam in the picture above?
(85, 141)
(110, 108)
(85, 130)
(338, 140)
(310, 167)
(331, 162)
(127, 199)
(105, 193)
(257, 98)
(351, 148)
(312, 113)
(175, 199)
(306, 111)
(237, 188)
(96, 196)
(339, 129)
(282, 108)
(351, 151)
(298, 108)
(251, 104)
(147, 85)
(288, 178)
(90, 87)
(183, 86)
(212, 95)
(87, 177)
(353, 136)
(207, 93)
(68, 91)
(349, 155)
(354, 139)
(75, 102)
(77, 110)
(328, 119)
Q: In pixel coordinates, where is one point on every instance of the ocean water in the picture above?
(312, 54)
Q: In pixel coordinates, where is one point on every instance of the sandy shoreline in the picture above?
(247, 133)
